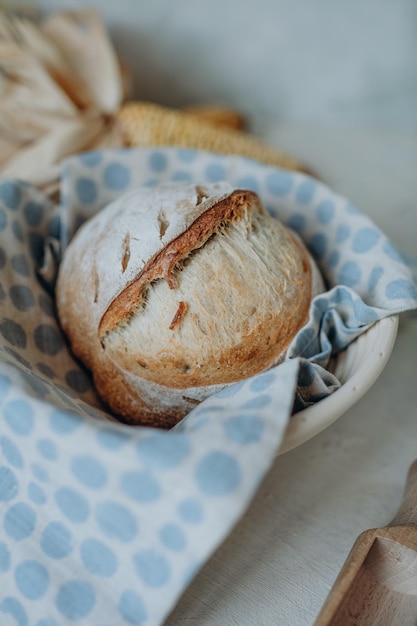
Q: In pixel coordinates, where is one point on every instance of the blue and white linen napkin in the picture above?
(104, 524)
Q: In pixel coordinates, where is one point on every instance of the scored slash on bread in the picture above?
(223, 211)
(186, 288)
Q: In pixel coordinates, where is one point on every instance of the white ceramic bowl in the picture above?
(357, 367)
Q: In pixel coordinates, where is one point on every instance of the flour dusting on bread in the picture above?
(187, 288)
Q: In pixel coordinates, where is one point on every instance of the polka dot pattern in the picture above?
(103, 523)
(89, 471)
(305, 191)
(318, 246)
(56, 541)
(116, 521)
(98, 558)
(10, 195)
(13, 333)
(132, 608)
(191, 511)
(325, 211)
(20, 265)
(111, 439)
(40, 472)
(11, 452)
(218, 474)
(297, 222)
(140, 486)
(36, 494)
(91, 159)
(215, 172)
(173, 537)
(244, 429)
(116, 176)
(278, 183)
(72, 504)
(19, 521)
(86, 190)
(152, 568)
(365, 239)
(350, 273)
(48, 339)
(64, 422)
(48, 449)
(165, 453)
(11, 606)
(181, 177)
(33, 212)
(19, 416)
(158, 161)
(75, 599)
(32, 579)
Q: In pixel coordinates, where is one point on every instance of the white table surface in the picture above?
(278, 564)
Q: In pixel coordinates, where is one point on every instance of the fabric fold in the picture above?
(105, 523)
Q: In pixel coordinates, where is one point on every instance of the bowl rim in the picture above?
(311, 421)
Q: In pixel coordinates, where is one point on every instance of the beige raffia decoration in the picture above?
(216, 115)
(63, 91)
(148, 124)
(60, 86)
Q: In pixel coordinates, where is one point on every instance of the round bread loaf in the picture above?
(172, 292)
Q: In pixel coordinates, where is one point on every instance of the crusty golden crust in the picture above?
(125, 401)
(260, 340)
(218, 302)
(163, 263)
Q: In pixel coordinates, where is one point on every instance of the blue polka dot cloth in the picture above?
(104, 524)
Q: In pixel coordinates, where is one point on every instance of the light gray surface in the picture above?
(336, 85)
(319, 61)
